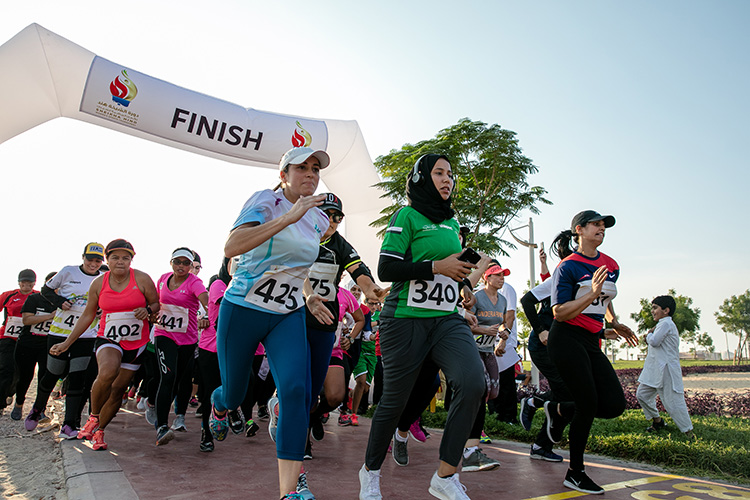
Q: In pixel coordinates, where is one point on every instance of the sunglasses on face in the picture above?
(336, 217)
(180, 262)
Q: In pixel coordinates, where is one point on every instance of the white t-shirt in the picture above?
(510, 357)
(73, 284)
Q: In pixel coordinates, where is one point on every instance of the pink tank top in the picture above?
(117, 322)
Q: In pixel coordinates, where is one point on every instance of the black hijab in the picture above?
(423, 196)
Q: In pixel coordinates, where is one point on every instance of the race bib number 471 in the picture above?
(439, 294)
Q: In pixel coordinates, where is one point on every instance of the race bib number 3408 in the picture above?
(439, 294)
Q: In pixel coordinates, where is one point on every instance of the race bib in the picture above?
(123, 326)
(43, 327)
(64, 321)
(279, 289)
(172, 318)
(323, 279)
(485, 341)
(599, 305)
(13, 327)
(438, 294)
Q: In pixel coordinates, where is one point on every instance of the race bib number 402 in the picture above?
(438, 294)
(279, 289)
(123, 326)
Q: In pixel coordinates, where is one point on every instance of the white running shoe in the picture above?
(179, 424)
(447, 488)
(369, 484)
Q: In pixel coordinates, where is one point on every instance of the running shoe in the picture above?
(16, 413)
(262, 412)
(194, 402)
(164, 435)
(179, 424)
(526, 415)
(89, 428)
(236, 421)
(400, 451)
(344, 420)
(656, 426)
(354, 419)
(150, 414)
(308, 451)
(555, 423)
(426, 434)
(579, 481)
(542, 454)
(369, 484)
(67, 432)
(479, 461)
(325, 417)
(273, 410)
(207, 442)
(251, 428)
(218, 426)
(293, 495)
(484, 439)
(302, 489)
(97, 440)
(416, 431)
(316, 428)
(32, 419)
(141, 405)
(447, 488)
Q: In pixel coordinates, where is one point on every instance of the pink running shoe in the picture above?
(416, 432)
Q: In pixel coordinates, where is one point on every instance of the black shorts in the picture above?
(131, 359)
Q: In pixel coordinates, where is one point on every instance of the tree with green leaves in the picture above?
(733, 317)
(491, 180)
(686, 318)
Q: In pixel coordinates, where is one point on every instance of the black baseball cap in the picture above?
(332, 202)
(583, 218)
(27, 275)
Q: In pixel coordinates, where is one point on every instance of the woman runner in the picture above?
(126, 297)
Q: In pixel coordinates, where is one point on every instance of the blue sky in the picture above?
(636, 109)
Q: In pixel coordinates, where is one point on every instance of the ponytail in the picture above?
(562, 245)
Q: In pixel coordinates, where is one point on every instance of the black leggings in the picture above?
(31, 350)
(591, 380)
(8, 371)
(558, 393)
(175, 362)
(76, 362)
(208, 364)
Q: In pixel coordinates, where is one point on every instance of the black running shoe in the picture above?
(251, 428)
(262, 412)
(527, 413)
(316, 428)
(207, 442)
(236, 421)
(555, 423)
(579, 481)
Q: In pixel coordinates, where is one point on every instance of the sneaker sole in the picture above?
(548, 416)
(181, 428)
(542, 457)
(438, 494)
(477, 468)
(165, 438)
(572, 486)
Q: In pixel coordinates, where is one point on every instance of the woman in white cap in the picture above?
(68, 290)
(126, 297)
(12, 301)
(277, 238)
(583, 286)
(176, 337)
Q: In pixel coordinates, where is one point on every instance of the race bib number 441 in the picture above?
(173, 318)
(438, 294)
(279, 289)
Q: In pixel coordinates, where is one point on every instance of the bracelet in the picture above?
(148, 308)
(433, 268)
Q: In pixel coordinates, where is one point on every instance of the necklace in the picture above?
(119, 282)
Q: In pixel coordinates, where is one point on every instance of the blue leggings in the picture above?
(238, 334)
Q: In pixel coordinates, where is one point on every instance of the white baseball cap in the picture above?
(295, 156)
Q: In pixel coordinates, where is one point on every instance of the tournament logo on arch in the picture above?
(301, 137)
(123, 89)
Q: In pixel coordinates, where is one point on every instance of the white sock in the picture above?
(530, 402)
(536, 447)
(400, 439)
(469, 451)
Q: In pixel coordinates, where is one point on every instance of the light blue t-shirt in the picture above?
(268, 276)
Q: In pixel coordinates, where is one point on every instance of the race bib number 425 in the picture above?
(438, 294)
(279, 289)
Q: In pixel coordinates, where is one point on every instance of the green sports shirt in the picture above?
(412, 237)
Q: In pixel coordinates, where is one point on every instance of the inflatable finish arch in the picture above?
(46, 76)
